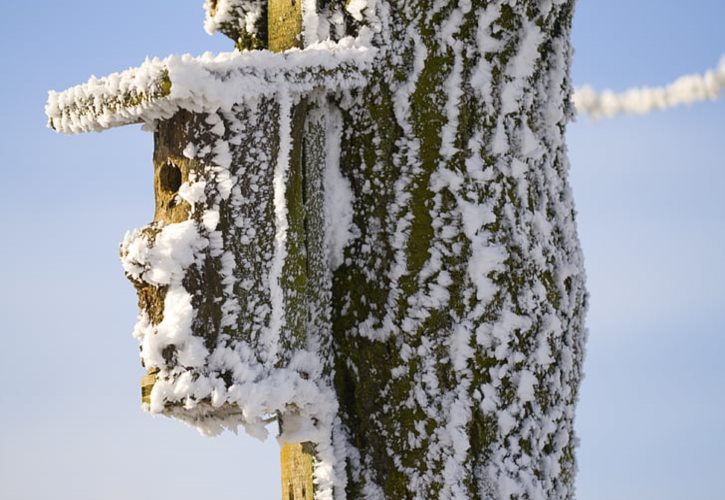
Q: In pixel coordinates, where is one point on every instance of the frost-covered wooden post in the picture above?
(370, 239)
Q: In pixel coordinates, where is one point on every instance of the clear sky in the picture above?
(650, 193)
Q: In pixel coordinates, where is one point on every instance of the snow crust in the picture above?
(688, 89)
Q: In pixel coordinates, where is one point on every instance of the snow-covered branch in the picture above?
(687, 89)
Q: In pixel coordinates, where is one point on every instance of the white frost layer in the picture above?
(688, 89)
(281, 224)
(205, 84)
(338, 194)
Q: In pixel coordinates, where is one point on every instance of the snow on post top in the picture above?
(158, 88)
(238, 19)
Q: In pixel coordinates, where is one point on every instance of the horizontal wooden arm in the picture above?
(157, 89)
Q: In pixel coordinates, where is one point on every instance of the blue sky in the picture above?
(649, 192)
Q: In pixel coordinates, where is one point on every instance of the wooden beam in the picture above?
(284, 24)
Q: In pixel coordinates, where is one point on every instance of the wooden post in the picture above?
(296, 461)
(285, 32)
(284, 24)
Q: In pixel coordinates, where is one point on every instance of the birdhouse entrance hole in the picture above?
(170, 177)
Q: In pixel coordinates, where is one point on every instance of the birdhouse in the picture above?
(232, 274)
(446, 363)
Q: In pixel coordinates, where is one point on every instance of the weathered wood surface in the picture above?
(296, 463)
(285, 24)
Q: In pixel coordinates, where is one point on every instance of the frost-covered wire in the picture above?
(687, 89)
